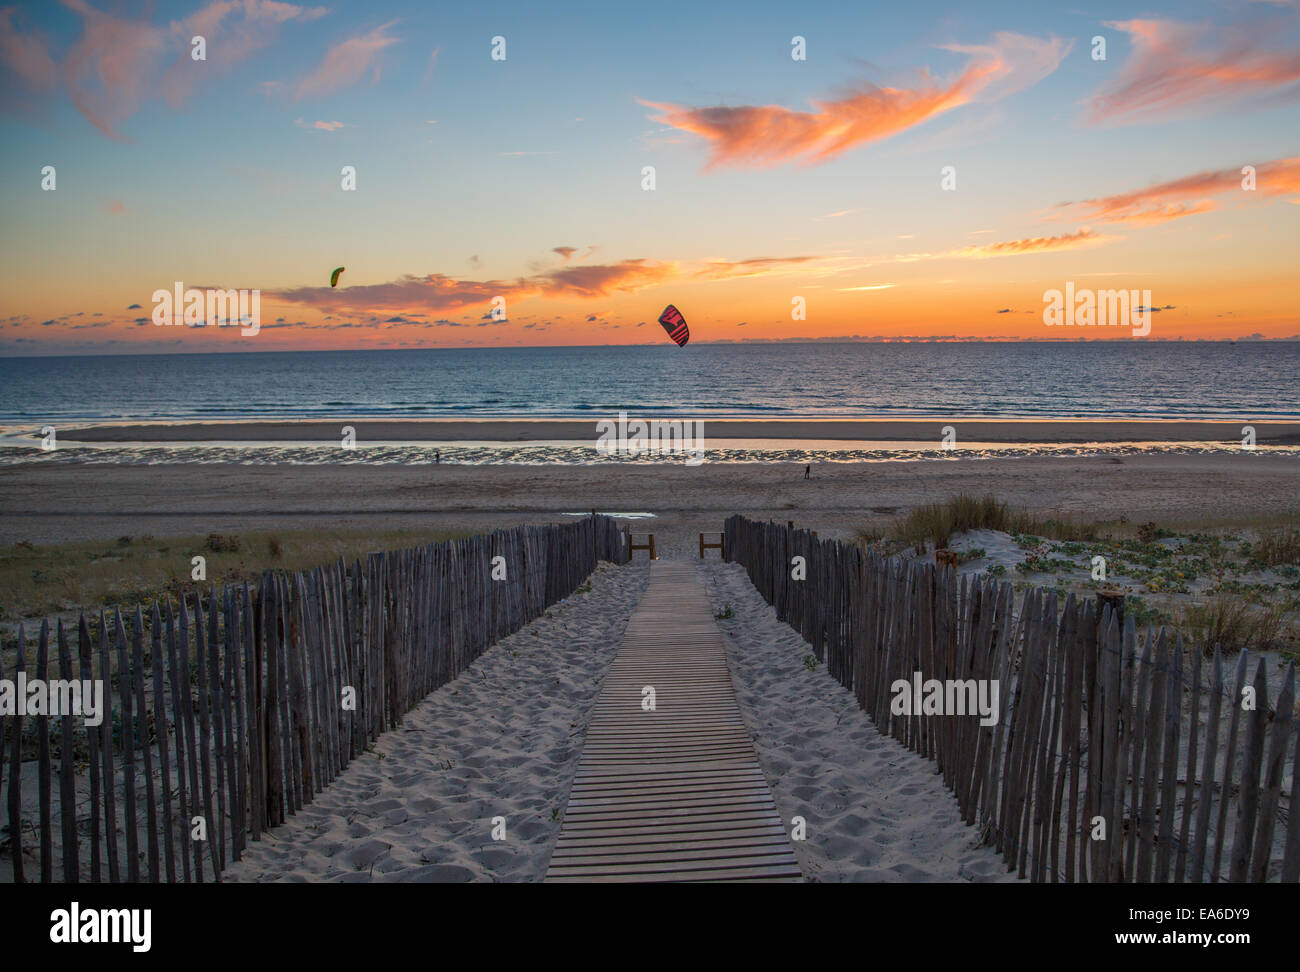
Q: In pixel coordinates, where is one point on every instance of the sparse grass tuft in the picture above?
(1230, 622)
(1277, 547)
(936, 522)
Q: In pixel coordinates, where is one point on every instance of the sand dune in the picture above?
(501, 740)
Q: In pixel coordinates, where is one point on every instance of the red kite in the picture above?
(675, 325)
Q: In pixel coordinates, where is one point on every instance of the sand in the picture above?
(51, 503)
(504, 739)
(875, 811)
(501, 740)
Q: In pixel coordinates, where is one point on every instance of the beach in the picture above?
(57, 502)
(503, 739)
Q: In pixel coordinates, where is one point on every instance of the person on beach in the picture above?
(807, 471)
(437, 457)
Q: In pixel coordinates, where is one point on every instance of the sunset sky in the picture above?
(523, 178)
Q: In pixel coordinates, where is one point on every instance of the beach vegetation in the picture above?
(1276, 547)
(1233, 623)
(40, 580)
(936, 523)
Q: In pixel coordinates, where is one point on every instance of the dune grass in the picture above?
(937, 522)
(1234, 624)
(1277, 546)
(38, 581)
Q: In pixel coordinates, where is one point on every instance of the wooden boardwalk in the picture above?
(674, 794)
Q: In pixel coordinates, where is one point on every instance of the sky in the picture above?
(922, 172)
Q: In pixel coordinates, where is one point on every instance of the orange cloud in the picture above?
(602, 280)
(769, 135)
(438, 292)
(755, 267)
(1187, 196)
(1037, 244)
(1175, 67)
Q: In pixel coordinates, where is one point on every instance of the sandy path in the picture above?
(875, 811)
(503, 739)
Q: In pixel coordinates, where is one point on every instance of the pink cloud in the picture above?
(346, 63)
(770, 135)
(234, 30)
(1176, 67)
(26, 55)
(1187, 196)
(106, 72)
(114, 67)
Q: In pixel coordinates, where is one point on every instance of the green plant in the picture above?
(1277, 547)
(1231, 623)
(935, 523)
(725, 614)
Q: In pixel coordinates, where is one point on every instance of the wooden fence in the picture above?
(1110, 759)
(226, 712)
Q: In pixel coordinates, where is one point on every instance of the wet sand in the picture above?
(539, 430)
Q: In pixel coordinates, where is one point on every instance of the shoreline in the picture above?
(495, 430)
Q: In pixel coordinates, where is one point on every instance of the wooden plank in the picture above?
(1229, 768)
(1248, 793)
(16, 769)
(179, 701)
(1193, 738)
(124, 678)
(1205, 798)
(186, 713)
(160, 730)
(1291, 852)
(138, 679)
(672, 792)
(1279, 736)
(106, 752)
(85, 649)
(1169, 767)
(43, 760)
(67, 784)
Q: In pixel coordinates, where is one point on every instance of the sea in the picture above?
(1113, 379)
(1238, 381)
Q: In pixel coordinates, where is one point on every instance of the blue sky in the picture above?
(473, 170)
